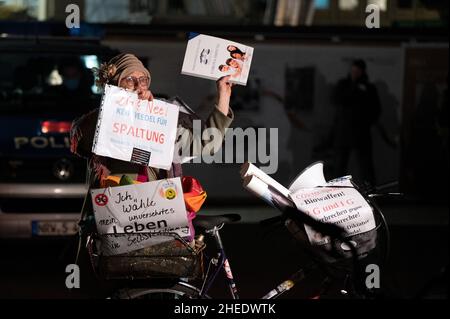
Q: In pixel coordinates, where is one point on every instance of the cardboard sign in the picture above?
(134, 130)
(143, 209)
(339, 203)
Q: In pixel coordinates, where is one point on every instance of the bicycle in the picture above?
(212, 225)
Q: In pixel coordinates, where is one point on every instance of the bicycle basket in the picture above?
(365, 243)
(171, 257)
(335, 251)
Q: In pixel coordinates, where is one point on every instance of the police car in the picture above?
(44, 85)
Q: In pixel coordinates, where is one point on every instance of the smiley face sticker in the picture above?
(170, 193)
(168, 190)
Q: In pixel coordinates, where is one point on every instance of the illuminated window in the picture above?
(348, 5)
(382, 4)
(91, 61)
(322, 4)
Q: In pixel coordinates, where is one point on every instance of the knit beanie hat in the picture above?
(118, 68)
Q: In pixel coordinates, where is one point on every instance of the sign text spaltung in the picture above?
(135, 130)
(137, 211)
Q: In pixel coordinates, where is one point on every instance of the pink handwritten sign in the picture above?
(135, 130)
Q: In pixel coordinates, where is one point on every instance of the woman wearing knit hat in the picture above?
(127, 71)
(123, 70)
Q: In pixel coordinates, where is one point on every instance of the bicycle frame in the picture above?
(221, 263)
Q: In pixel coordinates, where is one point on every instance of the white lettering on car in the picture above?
(41, 142)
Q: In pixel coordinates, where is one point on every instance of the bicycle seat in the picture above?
(209, 222)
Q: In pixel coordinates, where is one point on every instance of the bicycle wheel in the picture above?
(180, 290)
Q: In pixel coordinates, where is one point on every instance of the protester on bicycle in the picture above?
(127, 71)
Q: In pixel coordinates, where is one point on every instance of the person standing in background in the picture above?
(357, 110)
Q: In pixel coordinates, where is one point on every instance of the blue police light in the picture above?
(87, 30)
(38, 29)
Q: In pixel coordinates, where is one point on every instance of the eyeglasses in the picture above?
(132, 81)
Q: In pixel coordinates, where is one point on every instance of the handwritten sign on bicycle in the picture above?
(339, 203)
(153, 207)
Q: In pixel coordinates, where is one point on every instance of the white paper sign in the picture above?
(153, 207)
(134, 130)
(342, 205)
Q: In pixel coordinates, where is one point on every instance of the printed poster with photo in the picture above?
(134, 130)
(212, 58)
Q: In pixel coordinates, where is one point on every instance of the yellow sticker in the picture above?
(168, 190)
(170, 193)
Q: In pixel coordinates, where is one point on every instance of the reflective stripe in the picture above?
(43, 190)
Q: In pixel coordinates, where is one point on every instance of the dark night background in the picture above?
(303, 55)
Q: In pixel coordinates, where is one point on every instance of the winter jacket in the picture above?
(82, 136)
